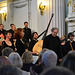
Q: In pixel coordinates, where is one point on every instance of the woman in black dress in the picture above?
(20, 45)
(7, 42)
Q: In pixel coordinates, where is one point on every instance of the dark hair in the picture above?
(10, 70)
(25, 22)
(33, 34)
(57, 71)
(70, 34)
(1, 24)
(69, 62)
(54, 28)
(7, 32)
(11, 24)
(17, 33)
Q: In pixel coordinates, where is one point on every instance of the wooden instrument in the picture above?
(38, 46)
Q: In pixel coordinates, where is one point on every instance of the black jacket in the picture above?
(27, 35)
(31, 45)
(53, 43)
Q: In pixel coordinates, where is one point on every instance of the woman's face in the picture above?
(22, 34)
(9, 35)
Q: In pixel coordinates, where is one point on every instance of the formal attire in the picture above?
(12, 32)
(20, 47)
(31, 45)
(5, 45)
(68, 46)
(3, 32)
(53, 43)
(27, 35)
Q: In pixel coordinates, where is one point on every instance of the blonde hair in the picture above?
(15, 59)
(27, 57)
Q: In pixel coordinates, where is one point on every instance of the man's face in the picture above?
(13, 27)
(35, 36)
(26, 25)
(1, 27)
(54, 33)
(71, 38)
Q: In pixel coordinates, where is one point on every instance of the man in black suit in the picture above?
(27, 32)
(13, 28)
(52, 42)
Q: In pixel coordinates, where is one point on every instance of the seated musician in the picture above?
(34, 41)
(70, 44)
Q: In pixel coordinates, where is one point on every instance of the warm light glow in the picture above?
(3, 10)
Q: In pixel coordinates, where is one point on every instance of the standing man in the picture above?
(13, 28)
(52, 42)
(27, 32)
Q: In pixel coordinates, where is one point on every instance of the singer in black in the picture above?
(27, 32)
(70, 44)
(33, 41)
(52, 42)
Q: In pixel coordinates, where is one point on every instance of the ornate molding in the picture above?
(69, 3)
(20, 6)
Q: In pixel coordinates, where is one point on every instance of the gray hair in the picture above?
(49, 58)
(27, 57)
(54, 28)
(71, 52)
(6, 51)
(10, 70)
(15, 59)
(42, 52)
(4, 60)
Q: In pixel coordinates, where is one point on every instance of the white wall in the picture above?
(32, 14)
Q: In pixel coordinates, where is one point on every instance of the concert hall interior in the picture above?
(34, 31)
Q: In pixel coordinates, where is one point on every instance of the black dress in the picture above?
(5, 45)
(27, 35)
(53, 43)
(20, 47)
(31, 45)
(68, 47)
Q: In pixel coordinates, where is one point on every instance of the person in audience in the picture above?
(20, 45)
(70, 44)
(57, 71)
(7, 51)
(52, 42)
(27, 61)
(7, 42)
(49, 59)
(69, 61)
(2, 31)
(16, 61)
(72, 52)
(39, 64)
(33, 41)
(4, 61)
(9, 70)
(27, 32)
